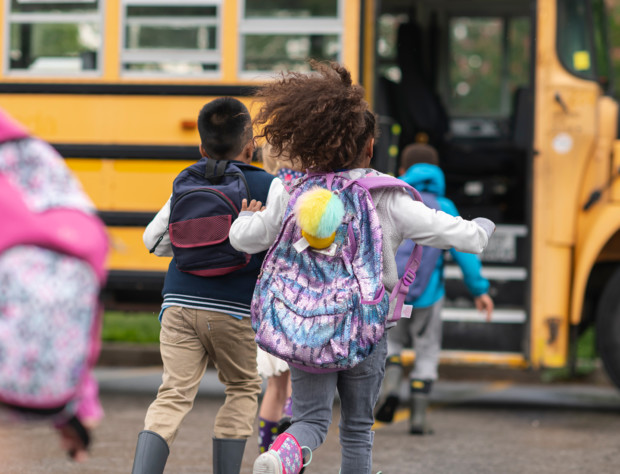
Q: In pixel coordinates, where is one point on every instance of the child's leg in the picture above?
(185, 361)
(398, 338)
(271, 409)
(426, 332)
(427, 345)
(276, 393)
(230, 343)
(313, 398)
(359, 389)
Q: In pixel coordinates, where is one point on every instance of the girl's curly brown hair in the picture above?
(321, 119)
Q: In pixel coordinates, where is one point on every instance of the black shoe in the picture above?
(387, 408)
(284, 424)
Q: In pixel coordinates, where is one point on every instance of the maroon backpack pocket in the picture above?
(200, 232)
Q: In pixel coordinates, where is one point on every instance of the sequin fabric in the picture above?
(317, 311)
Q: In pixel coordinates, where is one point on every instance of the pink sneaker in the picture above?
(284, 457)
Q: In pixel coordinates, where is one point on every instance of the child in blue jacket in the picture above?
(420, 168)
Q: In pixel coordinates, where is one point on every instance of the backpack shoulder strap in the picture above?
(214, 170)
(402, 286)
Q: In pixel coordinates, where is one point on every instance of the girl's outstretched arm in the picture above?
(434, 228)
(254, 232)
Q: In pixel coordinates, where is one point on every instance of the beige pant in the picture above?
(188, 339)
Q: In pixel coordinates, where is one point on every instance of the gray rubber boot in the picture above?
(417, 420)
(151, 454)
(390, 389)
(227, 455)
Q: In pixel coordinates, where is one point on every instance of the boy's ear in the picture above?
(248, 151)
(401, 171)
(202, 150)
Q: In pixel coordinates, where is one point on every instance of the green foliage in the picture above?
(130, 327)
(586, 360)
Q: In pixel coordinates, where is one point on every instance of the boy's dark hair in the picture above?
(225, 127)
(418, 153)
(319, 118)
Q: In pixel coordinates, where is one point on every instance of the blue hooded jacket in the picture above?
(430, 178)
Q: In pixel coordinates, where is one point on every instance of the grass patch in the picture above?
(586, 360)
(140, 328)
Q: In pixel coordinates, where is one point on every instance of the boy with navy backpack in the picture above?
(207, 291)
(420, 169)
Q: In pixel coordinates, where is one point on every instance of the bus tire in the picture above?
(608, 328)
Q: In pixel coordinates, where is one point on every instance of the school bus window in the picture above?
(490, 61)
(277, 35)
(57, 38)
(519, 44)
(573, 39)
(165, 39)
(476, 66)
(601, 43)
(287, 52)
(387, 45)
(285, 8)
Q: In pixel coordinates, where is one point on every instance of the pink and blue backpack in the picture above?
(325, 309)
(52, 266)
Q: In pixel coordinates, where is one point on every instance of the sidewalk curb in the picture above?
(119, 354)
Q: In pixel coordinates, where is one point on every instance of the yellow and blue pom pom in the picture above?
(319, 213)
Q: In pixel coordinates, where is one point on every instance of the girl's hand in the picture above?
(254, 206)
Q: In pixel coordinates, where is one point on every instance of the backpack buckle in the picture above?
(408, 277)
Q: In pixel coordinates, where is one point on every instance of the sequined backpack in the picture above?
(325, 310)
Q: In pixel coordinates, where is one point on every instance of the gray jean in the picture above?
(358, 388)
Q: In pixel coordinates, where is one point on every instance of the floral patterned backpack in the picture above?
(52, 254)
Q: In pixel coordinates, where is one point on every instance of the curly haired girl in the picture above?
(323, 121)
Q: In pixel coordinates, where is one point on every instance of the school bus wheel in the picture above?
(608, 328)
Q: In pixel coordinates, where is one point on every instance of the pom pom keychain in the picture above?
(319, 213)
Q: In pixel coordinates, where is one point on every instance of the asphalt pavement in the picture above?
(486, 421)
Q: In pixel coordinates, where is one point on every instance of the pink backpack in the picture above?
(52, 255)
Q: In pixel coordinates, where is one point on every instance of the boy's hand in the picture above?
(254, 206)
(484, 304)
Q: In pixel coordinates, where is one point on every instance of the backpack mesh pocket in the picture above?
(201, 231)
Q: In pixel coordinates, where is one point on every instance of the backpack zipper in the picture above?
(241, 175)
(220, 194)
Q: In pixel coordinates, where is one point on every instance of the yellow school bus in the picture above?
(515, 94)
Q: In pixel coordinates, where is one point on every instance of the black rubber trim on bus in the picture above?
(145, 152)
(127, 89)
(126, 219)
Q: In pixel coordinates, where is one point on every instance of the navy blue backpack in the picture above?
(206, 199)
(430, 255)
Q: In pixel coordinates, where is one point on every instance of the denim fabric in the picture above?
(358, 388)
